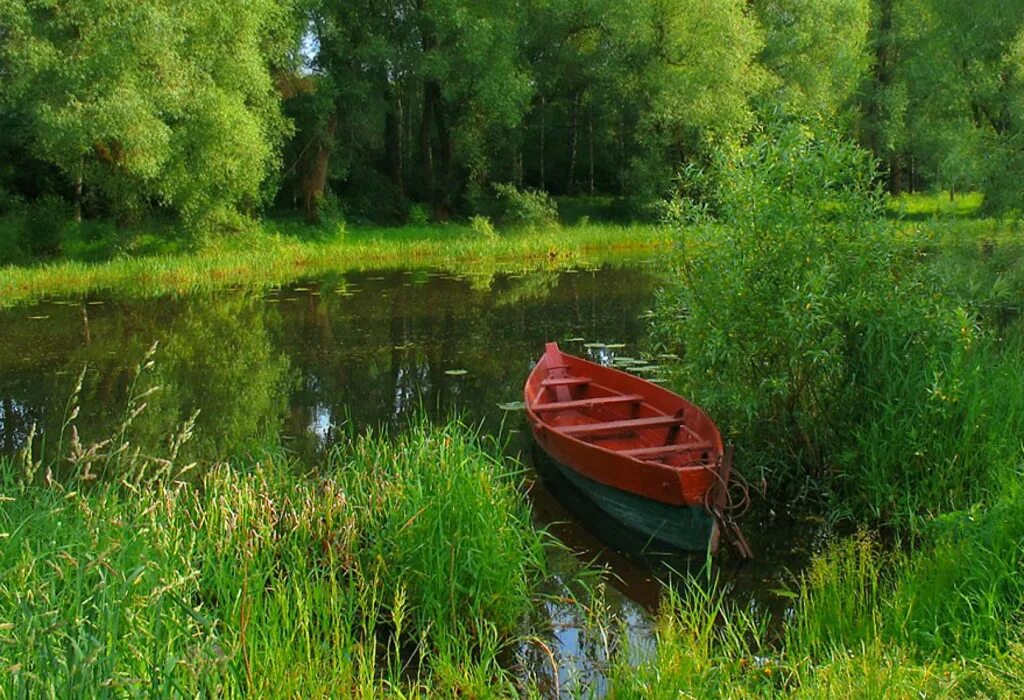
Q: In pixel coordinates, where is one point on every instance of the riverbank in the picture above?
(277, 253)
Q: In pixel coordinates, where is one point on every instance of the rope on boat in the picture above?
(724, 509)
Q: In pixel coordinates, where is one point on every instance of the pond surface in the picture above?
(292, 367)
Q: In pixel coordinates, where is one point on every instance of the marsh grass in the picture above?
(281, 251)
(404, 567)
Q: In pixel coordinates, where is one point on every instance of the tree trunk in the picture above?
(543, 134)
(77, 197)
(883, 75)
(426, 149)
(591, 137)
(393, 145)
(314, 179)
(574, 122)
(442, 206)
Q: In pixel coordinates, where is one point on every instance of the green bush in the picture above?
(419, 215)
(525, 207)
(482, 226)
(331, 211)
(822, 344)
(44, 226)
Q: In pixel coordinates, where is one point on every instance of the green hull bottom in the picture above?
(687, 527)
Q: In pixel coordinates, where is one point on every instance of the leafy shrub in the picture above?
(818, 339)
(331, 211)
(44, 226)
(419, 215)
(525, 207)
(482, 226)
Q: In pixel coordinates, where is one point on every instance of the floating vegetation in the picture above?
(512, 406)
(456, 372)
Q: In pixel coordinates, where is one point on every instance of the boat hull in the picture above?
(685, 527)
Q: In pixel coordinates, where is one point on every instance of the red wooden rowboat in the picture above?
(644, 455)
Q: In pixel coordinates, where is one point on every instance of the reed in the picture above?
(941, 622)
(402, 567)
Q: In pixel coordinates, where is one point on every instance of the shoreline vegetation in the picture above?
(406, 566)
(277, 253)
(146, 263)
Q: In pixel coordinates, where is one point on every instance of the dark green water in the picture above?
(294, 364)
(292, 367)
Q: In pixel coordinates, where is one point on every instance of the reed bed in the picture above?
(404, 567)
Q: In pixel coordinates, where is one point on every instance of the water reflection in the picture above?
(295, 363)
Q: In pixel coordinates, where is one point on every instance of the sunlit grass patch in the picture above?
(922, 205)
(279, 252)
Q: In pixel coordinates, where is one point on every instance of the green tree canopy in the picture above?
(170, 102)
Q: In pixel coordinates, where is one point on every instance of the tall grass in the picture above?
(404, 567)
(923, 205)
(944, 621)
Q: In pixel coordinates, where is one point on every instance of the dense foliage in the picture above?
(119, 106)
(386, 110)
(811, 327)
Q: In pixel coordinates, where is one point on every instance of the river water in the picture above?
(296, 366)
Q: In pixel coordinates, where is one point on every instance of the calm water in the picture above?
(294, 366)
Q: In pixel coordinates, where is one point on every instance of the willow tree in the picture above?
(819, 53)
(687, 87)
(169, 102)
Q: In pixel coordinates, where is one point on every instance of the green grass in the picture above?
(942, 622)
(282, 251)
(925, 205)
(401, 568)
